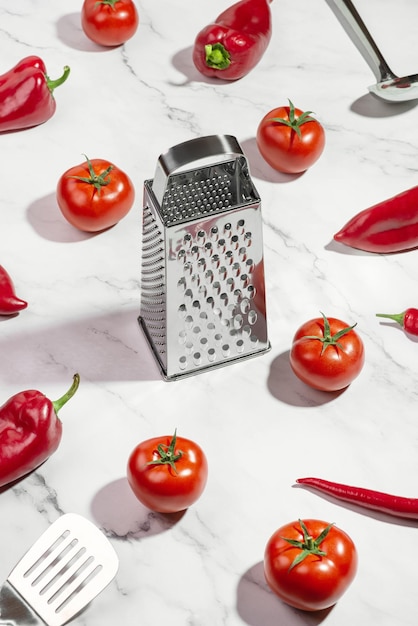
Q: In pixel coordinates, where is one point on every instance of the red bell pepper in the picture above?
(9, 302)
(26, 94)
(235, 42)
(390, 226)
(30, 431)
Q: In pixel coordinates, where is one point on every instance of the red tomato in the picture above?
(109, 22)
(167, 474)
(95, 195)
(327, 354)
(310, 564)
(290, 140)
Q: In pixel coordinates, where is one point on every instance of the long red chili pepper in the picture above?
(235, 42)
(408, 319)
(30, 431)
(26, 94)
(367, 498)
(9, 302)
(389, 226)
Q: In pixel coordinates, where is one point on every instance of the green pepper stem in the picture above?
(58, 404)
(396, 317)
(217, 56)
(52, 84)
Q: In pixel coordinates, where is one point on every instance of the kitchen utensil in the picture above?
(389, 86)
(202, 287)
(68, 566)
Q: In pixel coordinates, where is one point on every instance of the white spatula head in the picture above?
(68, 566)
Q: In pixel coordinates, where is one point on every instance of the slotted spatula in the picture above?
(68, 566)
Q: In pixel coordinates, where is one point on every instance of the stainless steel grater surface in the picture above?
(202, 285)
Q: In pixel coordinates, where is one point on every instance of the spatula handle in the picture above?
(14, 611)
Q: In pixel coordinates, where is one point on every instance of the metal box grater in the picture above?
(202, 284)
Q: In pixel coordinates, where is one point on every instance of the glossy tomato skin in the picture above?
(109, 25)
(318, 582)
(281, 146)
(331, 370)
(91, 210)
(159, 487)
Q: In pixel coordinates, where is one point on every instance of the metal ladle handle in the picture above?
(358, 32)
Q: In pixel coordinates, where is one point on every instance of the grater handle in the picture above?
(199, 149)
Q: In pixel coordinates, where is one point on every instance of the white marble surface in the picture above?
(260, 427)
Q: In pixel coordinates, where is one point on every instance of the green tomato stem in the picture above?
(168, 454)
(328, 339)
(97, 180)
(294, 122)
(110, 3)
(309, 545)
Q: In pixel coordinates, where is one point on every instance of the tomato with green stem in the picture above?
(327, 354)
(167, 474)
(109, 22)
(290, 140)
(95, 195)
(310, 564)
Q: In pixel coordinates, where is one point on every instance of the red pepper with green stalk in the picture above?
(30, 431)
(408, 319)
(26, 95)
(235, 42)
(9, 302)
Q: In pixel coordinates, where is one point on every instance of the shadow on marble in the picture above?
(397, 328)
(339, 248)
(116, 509)
(70, 32)
(110, 347)
(48, 222)
(257, 605)
(369, 105)
(284, 385)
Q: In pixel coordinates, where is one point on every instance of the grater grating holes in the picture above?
(219, 325)
(193, 198)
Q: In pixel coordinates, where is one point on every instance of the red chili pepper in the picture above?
(408, 320)
(30, 431)
(235, 42)
(9, 302)
(390, 226)
(367, 498)
(26, 95)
